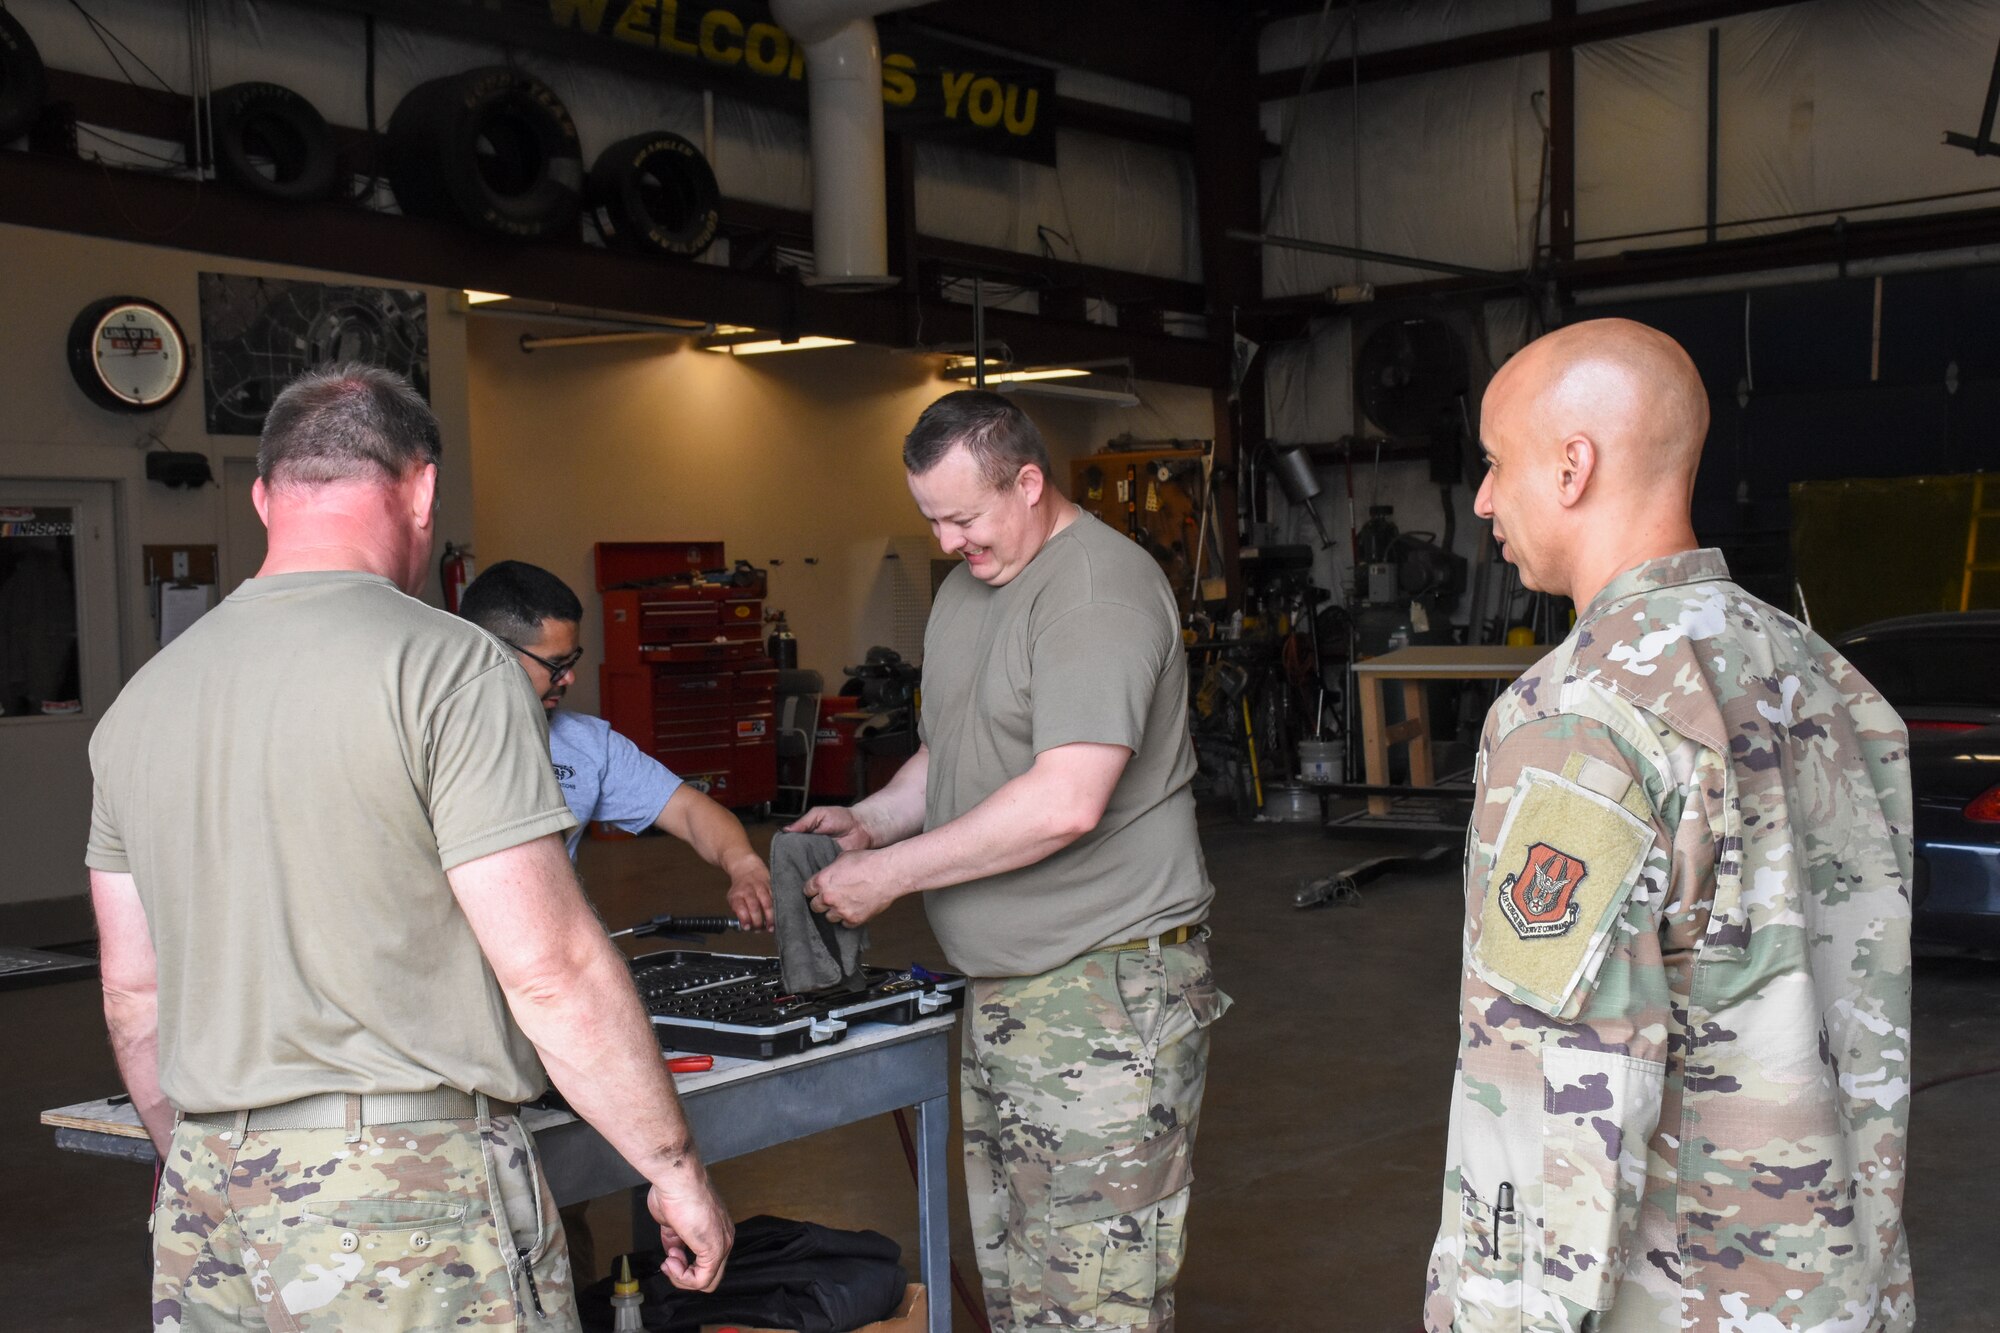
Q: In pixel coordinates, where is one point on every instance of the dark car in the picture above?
(1942, 673)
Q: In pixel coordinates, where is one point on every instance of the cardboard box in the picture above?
(912, 1316)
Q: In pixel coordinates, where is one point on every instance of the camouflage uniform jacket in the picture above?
(1683, 1083)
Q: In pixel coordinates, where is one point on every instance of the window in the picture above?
(39, 655)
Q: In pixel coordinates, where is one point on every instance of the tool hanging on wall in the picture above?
(1300, 483)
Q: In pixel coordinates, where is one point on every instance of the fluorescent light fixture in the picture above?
(726, 330)
(965, 368)
(481, 298)
(1023, 376)
(1074, 392)
(777, 345)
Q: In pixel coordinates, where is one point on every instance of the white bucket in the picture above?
(1319, 763)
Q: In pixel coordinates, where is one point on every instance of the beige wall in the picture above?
(782, 458)
(49, 430)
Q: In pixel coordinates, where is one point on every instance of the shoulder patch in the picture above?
(1566, 860)
(1539, 899)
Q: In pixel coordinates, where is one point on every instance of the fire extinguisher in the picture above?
(455, 572)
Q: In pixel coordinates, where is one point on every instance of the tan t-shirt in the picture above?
(1082, 645)
(287, 783)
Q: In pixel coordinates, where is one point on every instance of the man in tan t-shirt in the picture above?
(1048, 821)
(341, 938)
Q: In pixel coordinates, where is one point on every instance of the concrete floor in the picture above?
(1321, 1140)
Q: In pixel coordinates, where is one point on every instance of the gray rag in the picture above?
(813, 953)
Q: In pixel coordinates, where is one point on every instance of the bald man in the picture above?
(1683, 1081)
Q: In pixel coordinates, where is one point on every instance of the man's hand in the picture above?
(718, 838)
(854, 888)
(695, 1230)
(750, 895)
(839, 822)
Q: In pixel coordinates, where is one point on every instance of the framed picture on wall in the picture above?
(259, 333)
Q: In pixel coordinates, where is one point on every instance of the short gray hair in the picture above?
(346, 422)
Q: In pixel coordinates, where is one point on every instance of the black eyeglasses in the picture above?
(557, 669)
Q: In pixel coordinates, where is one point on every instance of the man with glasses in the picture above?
(603, 775)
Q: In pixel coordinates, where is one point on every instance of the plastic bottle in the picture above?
(625, 1299)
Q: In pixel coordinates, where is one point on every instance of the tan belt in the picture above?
(332, 1110)
(1178, 935)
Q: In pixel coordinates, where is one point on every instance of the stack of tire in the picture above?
(495, 150)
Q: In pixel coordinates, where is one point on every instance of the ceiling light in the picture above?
(778, 345)
(1020, 376)
(481, 298)
(1074, 392)
(967, 369)
(725, 330)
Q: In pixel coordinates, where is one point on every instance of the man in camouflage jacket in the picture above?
(1683, 1084)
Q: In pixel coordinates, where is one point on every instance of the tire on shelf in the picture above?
(23, 83)
(273, 141)
(493, 148)
(655, 192)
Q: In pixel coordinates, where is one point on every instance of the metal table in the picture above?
(735, 1108)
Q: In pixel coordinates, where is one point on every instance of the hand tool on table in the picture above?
(681, 927)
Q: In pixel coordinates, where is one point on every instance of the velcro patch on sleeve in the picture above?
(1567, 860)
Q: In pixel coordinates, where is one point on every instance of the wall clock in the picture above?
(128, 354)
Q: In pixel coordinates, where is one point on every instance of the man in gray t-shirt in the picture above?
(1048, 821)
(340, 938)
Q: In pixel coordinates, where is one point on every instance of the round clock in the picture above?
(127, 354)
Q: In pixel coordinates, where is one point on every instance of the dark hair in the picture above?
(1000, 437)
(343, 422)
(512, 599)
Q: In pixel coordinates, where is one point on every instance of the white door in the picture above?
(58, 673)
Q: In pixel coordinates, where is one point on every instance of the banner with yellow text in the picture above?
(932, 87)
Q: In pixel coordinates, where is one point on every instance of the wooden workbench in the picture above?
(1415, 667)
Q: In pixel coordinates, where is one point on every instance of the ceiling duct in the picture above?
(844, 86)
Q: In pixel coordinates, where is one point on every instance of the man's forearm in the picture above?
(599, 1049)
(1026, 820)
(897, 811)
(718, 838)
(134, 1025)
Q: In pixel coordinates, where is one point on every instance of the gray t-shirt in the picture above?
(1080, 646)
(287, 783)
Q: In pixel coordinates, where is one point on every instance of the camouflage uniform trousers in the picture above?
(1082, 1088)
(435, 1224)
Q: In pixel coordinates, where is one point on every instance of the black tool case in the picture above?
(730, 1004)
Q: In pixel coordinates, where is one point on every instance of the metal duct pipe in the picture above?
(533, 343)
(1929, 261)
(850, 182)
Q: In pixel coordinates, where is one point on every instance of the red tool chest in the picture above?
(684, 675)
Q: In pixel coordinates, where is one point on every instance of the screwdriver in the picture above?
(690, 1064)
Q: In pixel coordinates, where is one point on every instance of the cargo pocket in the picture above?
(534, 1224)
(1599, 1111)
(1488, 1298)
(1116, 1232)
